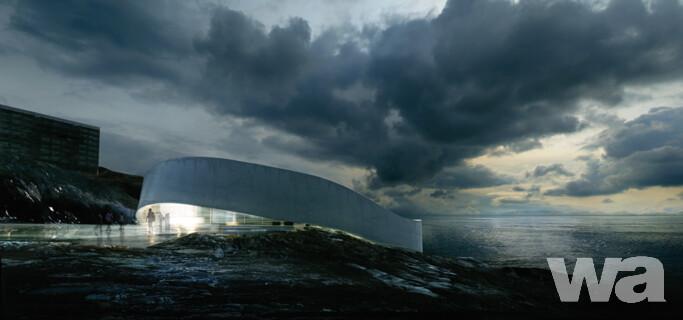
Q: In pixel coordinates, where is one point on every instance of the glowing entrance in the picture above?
(183, 218)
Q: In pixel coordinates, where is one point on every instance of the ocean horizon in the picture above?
(526, 241)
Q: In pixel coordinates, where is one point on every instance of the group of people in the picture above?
(109, 219)
(164, 221)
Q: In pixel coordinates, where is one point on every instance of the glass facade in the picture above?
(182, 218)
(68, 144)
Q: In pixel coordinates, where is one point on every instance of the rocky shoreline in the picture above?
(32, 191)
(307, 274)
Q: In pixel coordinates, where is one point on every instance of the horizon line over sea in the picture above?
(526, 241)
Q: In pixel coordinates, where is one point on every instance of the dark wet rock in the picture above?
(337, 259)
(130, 184)
(307, 274)
(39, 192)
(218, 253)
(194, 241)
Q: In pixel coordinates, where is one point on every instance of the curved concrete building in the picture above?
(228, 192)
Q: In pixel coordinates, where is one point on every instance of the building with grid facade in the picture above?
(68, 144)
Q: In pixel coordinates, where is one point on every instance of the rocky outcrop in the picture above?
(38, 192)
(130, 184)
(306, 274)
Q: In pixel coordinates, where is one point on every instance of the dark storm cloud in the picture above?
(402, 193)
(410, 102)
(481, 75)
(517, 147)
(512, 201)
(556, 168)
(458, 177)
(241, 49)
(644, 152)
(532, 191)
(111, 41)
(138, 156)
(464, 177)
(448, 194)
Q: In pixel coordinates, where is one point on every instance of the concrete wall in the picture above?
(276, 194)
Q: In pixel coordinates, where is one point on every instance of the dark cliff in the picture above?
(38, 192)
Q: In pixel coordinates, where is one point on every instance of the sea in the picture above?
(526, 241)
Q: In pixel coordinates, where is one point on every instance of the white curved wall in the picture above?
(276, 194)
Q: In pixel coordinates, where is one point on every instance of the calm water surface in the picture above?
(526, 241)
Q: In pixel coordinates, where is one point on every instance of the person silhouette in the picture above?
(98, 223)
(161, 222)
(109, 218)
(150, 221)
(122, 222)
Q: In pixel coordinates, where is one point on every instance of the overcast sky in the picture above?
(430, 107)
